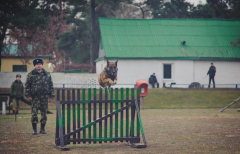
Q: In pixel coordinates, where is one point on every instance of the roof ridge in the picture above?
(208, 19)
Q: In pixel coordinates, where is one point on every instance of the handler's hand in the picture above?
(30, 98)
(50, 99)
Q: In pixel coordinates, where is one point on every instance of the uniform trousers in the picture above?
(39, 103)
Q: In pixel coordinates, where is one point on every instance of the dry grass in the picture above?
(167, 131)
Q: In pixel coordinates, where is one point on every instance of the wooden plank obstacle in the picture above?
(230, 104)
(98, 119)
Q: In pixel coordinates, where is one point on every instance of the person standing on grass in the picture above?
(39, 90)
(17, 92)
(211, 72)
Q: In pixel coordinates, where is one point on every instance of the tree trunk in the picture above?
(2, 36)
(142, 13)
(92, 43)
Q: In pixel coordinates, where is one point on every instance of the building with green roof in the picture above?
(177, 50)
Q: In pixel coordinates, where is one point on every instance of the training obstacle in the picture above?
(230, 104)
(97, 120)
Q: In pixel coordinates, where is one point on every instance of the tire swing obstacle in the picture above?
(98, 120)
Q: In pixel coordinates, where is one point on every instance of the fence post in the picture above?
(3, 108)
(170, 85)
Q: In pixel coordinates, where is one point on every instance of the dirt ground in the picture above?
(166, 130)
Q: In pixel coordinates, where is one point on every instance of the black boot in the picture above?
(34, 125)
(42, 130)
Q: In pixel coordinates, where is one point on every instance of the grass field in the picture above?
(175, 121)
(166, 130)
(174, 98)
(190, 98)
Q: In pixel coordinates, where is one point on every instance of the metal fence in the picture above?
(174, 85)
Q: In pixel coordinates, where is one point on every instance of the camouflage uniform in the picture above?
(17, 92)
(39, 86)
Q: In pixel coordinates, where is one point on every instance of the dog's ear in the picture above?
(107, 63)
(116, 62)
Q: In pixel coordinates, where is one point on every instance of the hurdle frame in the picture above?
(82, 132)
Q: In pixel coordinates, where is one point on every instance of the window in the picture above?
(19, 68)
(167, 71)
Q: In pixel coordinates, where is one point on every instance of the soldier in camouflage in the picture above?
(17, 92)
(39, 90)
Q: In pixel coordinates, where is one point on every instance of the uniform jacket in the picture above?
(39, 84)
(212, 71)
(17, 90)
(153, 79)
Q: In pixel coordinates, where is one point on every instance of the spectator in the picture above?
(17, 92)
(153, 81)
(211, 72)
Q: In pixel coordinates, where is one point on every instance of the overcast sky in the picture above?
(191, 1)
(196, 1)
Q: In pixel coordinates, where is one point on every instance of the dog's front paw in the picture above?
(114, 82)
(110, 82)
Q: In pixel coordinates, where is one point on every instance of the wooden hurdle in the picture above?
(81, 120)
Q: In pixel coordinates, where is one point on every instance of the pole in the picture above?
(3, 108)
(15, 115)
(140, 122)
(142, 103)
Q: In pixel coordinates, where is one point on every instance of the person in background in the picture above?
(39, 90)
(16, 92)
(211, 72)
(153, 81)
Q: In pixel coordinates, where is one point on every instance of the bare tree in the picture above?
(134, 10)
(40, 42)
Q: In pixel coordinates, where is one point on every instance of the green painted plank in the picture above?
(116, 111)
(68, 116)
(132, 120)
(127, 114)
(89, 113)
(138, 124)
(95, 126)
(105, 128)
(111, 118)
(121, 121)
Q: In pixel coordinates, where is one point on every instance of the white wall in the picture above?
(129, 71)
(183, 72)
(100, 66)
(71, 80)
(227, 72)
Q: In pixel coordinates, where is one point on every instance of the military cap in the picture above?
(18, 75)
(37, 60)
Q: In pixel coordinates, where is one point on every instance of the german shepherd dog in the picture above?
(108, 77)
